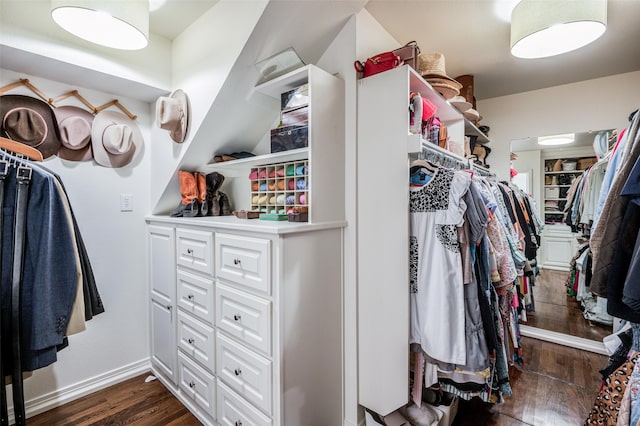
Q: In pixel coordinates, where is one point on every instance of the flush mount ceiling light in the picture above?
(120, 24)
(557, 139)
(542, 28)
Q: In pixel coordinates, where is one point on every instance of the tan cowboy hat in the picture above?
(75, 133)
(432, 65)
(172, 114)
(460, 103)
(472, 115)
(444, 87)
(115, 138)
(31, 122)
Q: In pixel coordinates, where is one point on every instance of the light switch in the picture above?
(126, 202)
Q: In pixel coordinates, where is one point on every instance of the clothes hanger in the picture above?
(20, 148)
(423, 163)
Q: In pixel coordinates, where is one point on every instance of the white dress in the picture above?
(435, 274)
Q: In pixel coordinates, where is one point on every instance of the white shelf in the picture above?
(557, 186)
(471, 130)
(288, 81)
(579, 172)
(235, 168)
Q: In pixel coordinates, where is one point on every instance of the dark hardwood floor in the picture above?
(556, 386)
(557, 311)
(132, 402)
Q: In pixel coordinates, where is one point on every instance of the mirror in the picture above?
(562, 309)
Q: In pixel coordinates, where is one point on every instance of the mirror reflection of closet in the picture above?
(547, 172)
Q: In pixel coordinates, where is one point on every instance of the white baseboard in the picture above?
(563, 339)
(70, 393)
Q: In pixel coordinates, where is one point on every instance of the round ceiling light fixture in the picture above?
(542, 28)
(557, 139)
(116, 24)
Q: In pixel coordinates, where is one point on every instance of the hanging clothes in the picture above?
(437, 311)
(57, 290)
(470, 237)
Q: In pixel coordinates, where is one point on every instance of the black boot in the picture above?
(214, 182)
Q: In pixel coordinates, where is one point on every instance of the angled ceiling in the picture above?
(474, 36)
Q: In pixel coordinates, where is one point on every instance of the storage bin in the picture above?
(294, 116)
(289, 137)
(295, 97)
(585, 163)
(551, 192)
(569, 165)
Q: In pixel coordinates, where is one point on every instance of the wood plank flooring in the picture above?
(556, 386)
(132, 402)
(557, 311)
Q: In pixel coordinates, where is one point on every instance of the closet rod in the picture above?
(430, 147)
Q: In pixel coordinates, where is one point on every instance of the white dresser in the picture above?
(246, 318)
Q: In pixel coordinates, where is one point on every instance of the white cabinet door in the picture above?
(162, 276)
(162, 260)
(163, 339)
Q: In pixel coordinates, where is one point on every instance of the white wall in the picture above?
(602, 103)
(203, 56)
(116, 244)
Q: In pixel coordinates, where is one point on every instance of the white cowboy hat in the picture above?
(172, 114)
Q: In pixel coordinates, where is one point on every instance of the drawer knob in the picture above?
(190, 296)
(237, 372)
(237, 261)
(238, 423)
(237, 317)
(190, 340)
(192, 385)
(169, 307)
(189, 251)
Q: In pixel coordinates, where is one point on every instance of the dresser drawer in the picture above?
(197, 384)
(195, 250)
(195, 295)
(197, 340)
(235, 411)
(244, 316)
(244, 261)
(244, 371)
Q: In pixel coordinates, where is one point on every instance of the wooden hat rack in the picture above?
(52, 101)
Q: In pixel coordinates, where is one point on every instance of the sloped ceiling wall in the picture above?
(238, 117)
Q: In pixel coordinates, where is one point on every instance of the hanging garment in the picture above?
(605, 235)
(436, 288)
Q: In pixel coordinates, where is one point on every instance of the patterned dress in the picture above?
(435, 274)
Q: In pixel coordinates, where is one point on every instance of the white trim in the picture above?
(563, 339)
(85, 387)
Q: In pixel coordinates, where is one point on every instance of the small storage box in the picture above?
(289, 137)
(569, 166)
(295, 97)
(243, 214)
(585, 163)
(294, 116)
(551, 192)
(298, 217)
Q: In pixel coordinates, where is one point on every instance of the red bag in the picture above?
(378, 63)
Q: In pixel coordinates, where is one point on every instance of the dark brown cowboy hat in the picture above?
(29, 121)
